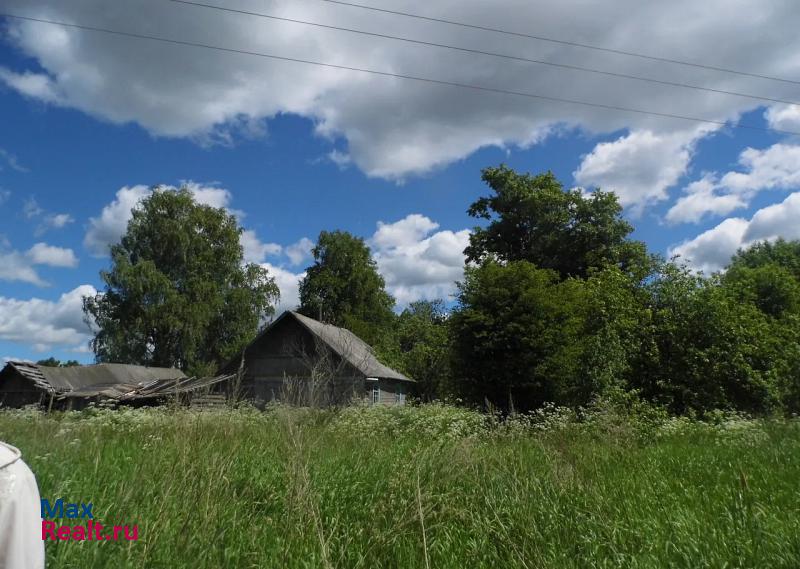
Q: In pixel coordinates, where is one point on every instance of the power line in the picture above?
(400, 75)
(562, 42)
(488, 53)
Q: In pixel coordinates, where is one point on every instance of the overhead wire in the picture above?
(430, 80)
(563, 42)
(487, 53)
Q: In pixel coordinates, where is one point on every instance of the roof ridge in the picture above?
(363, 364)
(370, 366)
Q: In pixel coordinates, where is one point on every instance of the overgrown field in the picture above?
(431, 486)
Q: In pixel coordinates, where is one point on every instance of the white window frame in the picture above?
(400, 395)
(376, 390)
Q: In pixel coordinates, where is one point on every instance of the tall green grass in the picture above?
(431, 486)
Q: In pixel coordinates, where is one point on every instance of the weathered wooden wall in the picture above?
(389, 390)
(291, 364)
(18, 391)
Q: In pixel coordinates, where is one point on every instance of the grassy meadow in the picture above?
(430, 486)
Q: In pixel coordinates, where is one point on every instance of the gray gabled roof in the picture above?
(343, 342)
(68, 379)
(353, 349)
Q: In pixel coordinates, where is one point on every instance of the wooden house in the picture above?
(299, 360)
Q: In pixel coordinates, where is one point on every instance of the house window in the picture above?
(376, 389)
(399, 395)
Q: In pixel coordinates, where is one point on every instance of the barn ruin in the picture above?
(26, 383)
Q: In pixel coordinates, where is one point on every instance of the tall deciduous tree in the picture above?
(178, 293)
(785, 254)
(343, 286)
(422, 338)
(704, 349)
(767, 275)
(532, 218)
(522, 335)
(771, 287)
(53, 362)
(516, 334)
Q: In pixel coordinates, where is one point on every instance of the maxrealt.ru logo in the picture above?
(90, 530)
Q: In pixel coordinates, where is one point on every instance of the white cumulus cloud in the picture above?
(394, 128)
(774, 168)
(19, 266)
(405, 232)
(289, 285)
(712, 250)
(255, 251)
(783, 117)
(208, 195)
(46, 324)
(639, 167)
(36, 85)
(15, 266)
(109, 227)
(417, 261)
(702, 197)
(44, 254)
(299, 251)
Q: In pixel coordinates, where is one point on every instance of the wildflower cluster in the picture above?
(433, 420)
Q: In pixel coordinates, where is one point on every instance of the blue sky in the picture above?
(88, 122)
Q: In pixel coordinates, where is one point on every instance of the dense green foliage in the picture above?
(453, 489)
(558, 305)
(522, 337)
(767, 276)
(343, 286)
(705, 350)
(53, 362)
(418, 344)
(532, 218)
(783, 253)
(515, 334)
(178, 293)
(561, 306)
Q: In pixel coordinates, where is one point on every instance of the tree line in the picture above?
(558, 304)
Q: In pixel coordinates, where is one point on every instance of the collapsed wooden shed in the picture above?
(303, 361)
(26, 383)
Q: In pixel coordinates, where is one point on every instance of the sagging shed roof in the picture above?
(148, 390)
(58, 380)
